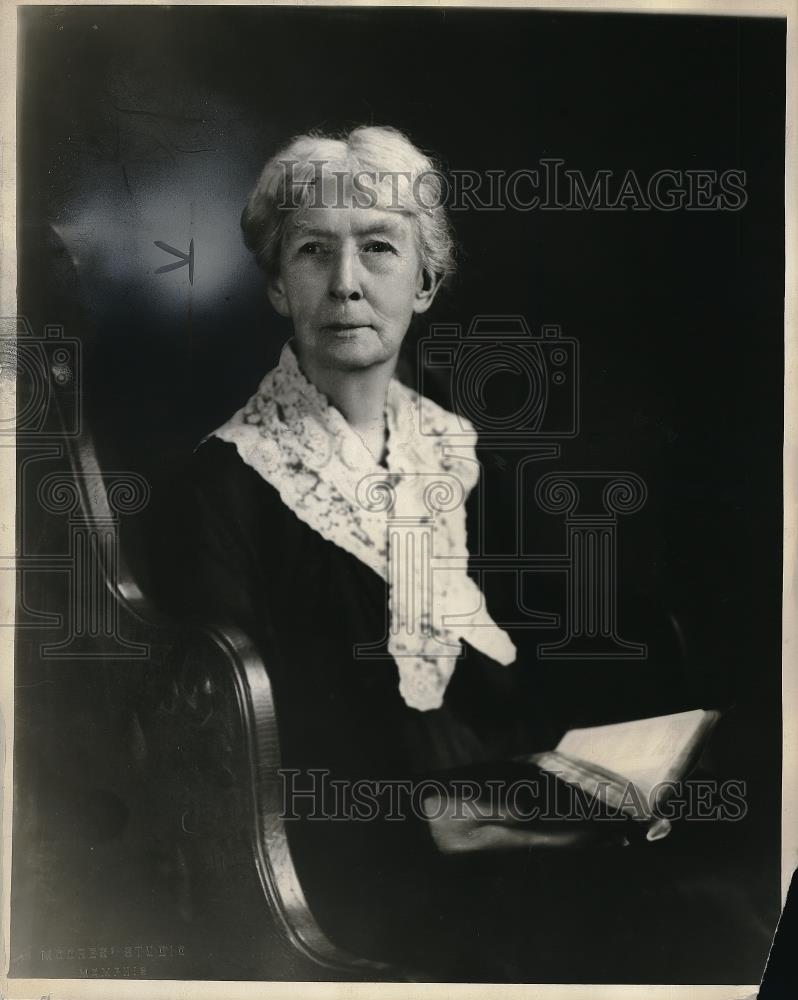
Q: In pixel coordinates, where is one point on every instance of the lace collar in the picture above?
(406, 521)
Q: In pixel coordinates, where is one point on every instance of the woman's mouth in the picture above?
(344, 329)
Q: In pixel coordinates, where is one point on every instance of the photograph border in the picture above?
(63, 989)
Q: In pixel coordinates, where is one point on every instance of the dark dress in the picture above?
(381, 888)
(305, 602)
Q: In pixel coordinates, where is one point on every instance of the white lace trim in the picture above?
(407, 521)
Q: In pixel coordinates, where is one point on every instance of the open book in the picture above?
(628, 765)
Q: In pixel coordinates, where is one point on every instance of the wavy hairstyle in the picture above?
(381, 167)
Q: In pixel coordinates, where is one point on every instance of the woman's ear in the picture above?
(277, 296)
(426, 290)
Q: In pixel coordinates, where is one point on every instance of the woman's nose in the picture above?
(344, 279)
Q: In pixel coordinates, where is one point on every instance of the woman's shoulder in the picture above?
(214, 457)
(220, 475)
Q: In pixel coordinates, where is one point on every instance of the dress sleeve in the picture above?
(227, 576)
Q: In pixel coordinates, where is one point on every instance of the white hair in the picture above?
(383, 167)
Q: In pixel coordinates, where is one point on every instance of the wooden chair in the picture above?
(180, 725)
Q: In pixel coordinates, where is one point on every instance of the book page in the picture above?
(646, 751)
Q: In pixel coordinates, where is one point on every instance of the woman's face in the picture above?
(350, 280)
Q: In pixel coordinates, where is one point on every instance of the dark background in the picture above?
(143, 124)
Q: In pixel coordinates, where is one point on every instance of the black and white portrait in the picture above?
(399, 427)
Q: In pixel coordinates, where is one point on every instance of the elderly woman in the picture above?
(302, 484)
(383, 668)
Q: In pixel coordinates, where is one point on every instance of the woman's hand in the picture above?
(459, 826)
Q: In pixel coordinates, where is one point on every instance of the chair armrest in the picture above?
(234, 683)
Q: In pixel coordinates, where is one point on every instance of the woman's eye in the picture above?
(379, 246)
(310, 248)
